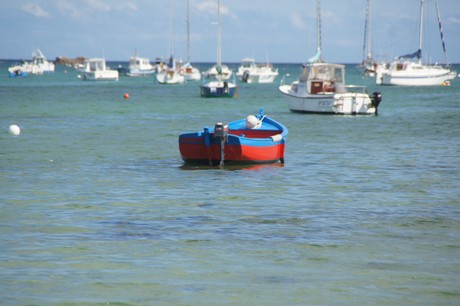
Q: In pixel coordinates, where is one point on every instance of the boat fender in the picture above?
(326, 88)
(252, 122)
(276, 137)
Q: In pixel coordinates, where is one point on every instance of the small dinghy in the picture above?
(255, 139)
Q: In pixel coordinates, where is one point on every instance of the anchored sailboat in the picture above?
(171, 75)
(220, 86)
(406, 72)
(187, 70)
(369, 64)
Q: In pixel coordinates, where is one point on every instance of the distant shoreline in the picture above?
(78, 59)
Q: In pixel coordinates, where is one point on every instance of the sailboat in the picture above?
(170, 75)
(187, 70)
(369, 64)
(220, 86)
(406, 72)
(321, 88)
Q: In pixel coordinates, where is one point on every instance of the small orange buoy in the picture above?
(126, 96)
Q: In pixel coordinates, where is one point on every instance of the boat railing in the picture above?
(283, 79)
(340, 88)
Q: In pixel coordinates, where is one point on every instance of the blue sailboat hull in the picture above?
(218, 90)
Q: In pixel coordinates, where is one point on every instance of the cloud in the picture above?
(91, 7)
(210, 6)
(454, 20)
(35, 9)
(67, 7)
(128, 6)
(98, 5)
(297, 21)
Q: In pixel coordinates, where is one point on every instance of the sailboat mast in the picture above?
(219, 58)
(367, 48)
(318, 56)
(369, 33)
(171, 30)
(318, 33)
(188, 31)
(421, 32)
(442, 35)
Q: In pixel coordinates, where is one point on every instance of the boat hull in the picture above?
(218, 89)
(242, 145)
(193, 150)
(170, 78)
(141, 73)
(17, 74)
(434, 77)
(329, 103)
(192, 76)
(191, 73)
(257, 78)
(107, 75)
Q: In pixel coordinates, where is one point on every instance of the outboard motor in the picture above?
(245, 76)
(221, 132)
(376, 99)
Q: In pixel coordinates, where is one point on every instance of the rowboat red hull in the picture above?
(264, 144)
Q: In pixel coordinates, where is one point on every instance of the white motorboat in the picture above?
(38, 65)
(95, 69)
(38, 59)
(406, 72)
(139, 66)
(250, 72)
(321, 88)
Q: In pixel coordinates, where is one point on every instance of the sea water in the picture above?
(97, 207)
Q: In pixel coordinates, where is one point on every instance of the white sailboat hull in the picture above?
(191, 74)
(408, 73)
(170, 77)
(424, 76)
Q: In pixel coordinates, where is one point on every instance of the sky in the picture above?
(278, 31)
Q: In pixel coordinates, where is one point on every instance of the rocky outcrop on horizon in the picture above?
(69, 61)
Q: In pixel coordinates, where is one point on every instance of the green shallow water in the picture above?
(97, 207)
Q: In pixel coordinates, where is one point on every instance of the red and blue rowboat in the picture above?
(255, 139)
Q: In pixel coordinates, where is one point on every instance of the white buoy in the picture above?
(14, 130)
